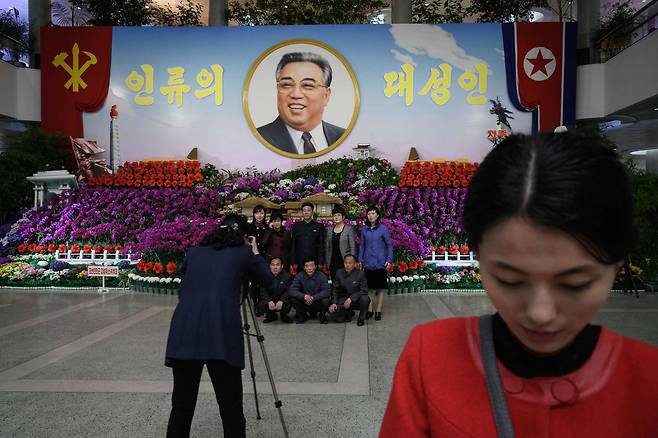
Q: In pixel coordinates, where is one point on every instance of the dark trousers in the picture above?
(271, 314)
(360, 305)
(302, 309)
(227, 382)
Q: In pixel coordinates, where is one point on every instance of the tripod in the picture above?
(629, 278)
(246, 302)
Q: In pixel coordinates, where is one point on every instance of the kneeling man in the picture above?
(310, 293)
(276, 300)
(350, 292)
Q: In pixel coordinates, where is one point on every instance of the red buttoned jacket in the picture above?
(439, 390)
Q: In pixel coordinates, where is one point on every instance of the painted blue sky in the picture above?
(453, 130)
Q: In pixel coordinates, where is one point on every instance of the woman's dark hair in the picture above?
(276, 215)
(570, 182)
(230, 232)
(376, 210)
(257, 209)
(338, 209)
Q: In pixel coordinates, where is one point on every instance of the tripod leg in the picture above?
(260, 338)
(251, 355)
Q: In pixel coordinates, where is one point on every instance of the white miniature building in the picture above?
(49, 183)
(362, 150)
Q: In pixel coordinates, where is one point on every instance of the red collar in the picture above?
(560, 390)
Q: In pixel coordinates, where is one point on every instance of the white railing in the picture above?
(85, 258)
(458, 259)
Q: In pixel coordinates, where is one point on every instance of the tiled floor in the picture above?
(76, 364)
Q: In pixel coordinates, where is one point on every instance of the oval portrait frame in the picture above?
(247, 84)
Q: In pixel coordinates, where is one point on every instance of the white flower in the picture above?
(167, 280)
(163, 280)
(405, 278)
(42, 263)
(132, 276)
(331, 186)
(176, 280)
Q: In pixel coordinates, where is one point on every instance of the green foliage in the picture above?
(119, 12)
(15, 28)
(498, 11)
(70, 13)
(645, 191)
(346, 171)
(261, 12)
(187, 13)
(437, 11)
(485, 11)
(27, 153)
(617, 26)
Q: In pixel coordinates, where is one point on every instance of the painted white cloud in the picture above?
(434, 42)
(407, 59)
(501, 52)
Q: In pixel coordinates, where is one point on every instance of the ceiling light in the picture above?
(639, 153)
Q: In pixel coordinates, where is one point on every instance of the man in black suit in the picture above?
(303, 81)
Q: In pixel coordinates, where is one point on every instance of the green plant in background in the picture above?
(16, 30)
(26, 153)
(259, 12)
(645, 192)
(349, 173)
(617, 26)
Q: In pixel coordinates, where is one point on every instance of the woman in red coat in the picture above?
(551, 218)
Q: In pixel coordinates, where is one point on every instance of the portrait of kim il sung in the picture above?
(303, 126)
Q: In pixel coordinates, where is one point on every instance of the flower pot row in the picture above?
(153, 289)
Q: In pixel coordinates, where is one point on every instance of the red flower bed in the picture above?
(152, 174)
(434, 174)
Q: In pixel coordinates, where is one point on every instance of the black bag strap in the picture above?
(494, 384)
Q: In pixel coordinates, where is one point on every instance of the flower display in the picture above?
(421, 209)
(436, 174)
(434, 214)
(152, 174)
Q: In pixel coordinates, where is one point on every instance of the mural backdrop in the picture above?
(439, 88)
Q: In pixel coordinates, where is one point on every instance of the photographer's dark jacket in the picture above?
(351, 285)
(282, 283)
(307, 243)
(317, 286)
(206, 324)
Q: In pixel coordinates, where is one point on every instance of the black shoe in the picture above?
(360, 322)
(268, 319)
(378, 316)
(368, 315)
(312, 315)
(300, 321)
(323, 318)
(286, 319)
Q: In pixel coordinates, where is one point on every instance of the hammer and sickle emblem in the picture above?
(75, 71)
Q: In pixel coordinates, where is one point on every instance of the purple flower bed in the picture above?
(433, 213)
(168, 218)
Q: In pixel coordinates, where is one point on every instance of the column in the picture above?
(39, 16)
(652, 161)
(216, 12)
(400, 11)
(589, 19)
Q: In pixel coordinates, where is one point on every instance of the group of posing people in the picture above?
(314, 251)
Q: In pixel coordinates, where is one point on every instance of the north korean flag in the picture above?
(540, 60)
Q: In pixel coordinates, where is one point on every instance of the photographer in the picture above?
(206, 327)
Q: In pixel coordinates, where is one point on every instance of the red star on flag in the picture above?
(539, 63)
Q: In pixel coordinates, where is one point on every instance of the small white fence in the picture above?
(458, 259)
(86, 258)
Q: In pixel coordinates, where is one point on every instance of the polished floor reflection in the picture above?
(80, 364)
